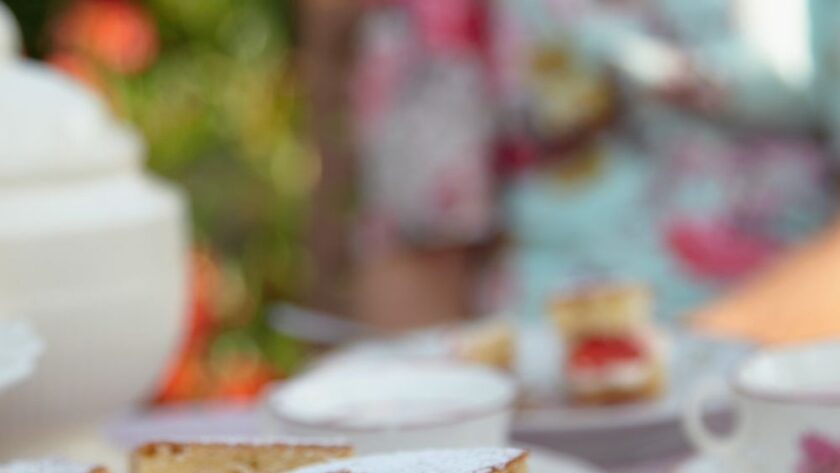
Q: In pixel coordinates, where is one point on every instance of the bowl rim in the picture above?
(828, 397)
(276, 390)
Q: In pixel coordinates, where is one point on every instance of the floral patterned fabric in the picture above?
(690, 205)
(426, 122)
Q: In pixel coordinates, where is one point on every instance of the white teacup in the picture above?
(787, 406)
(382, 407)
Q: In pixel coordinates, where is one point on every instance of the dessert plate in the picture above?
(20, 348)
(690, 358)
(538, 366)
(632, 431)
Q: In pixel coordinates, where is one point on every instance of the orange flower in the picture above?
(118, 34)
(242, 378)
(186, 377)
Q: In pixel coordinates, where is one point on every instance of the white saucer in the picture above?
(701, 464)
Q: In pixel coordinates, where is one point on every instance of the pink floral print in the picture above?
(819, 454)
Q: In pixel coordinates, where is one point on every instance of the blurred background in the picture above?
(393, 164)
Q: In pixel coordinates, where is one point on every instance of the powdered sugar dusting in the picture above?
(235, 440)
(45, 466)
(472, 460)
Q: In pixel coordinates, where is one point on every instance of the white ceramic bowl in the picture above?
(104, 285)
(109, 303)
(387, 406)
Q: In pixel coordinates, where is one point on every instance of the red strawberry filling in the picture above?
(597, 352)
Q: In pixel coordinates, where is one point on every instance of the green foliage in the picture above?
(223, 114)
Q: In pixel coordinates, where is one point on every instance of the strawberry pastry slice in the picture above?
(612, 347)
(611, 369)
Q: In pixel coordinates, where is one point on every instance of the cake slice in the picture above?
(471, 460)
(234, 455)
(50, 466)
(613, 351)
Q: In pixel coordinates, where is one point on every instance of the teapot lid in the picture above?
(52, 127)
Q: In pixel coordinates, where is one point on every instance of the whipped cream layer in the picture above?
(619, 375)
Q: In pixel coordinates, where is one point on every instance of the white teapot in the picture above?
(92, 251)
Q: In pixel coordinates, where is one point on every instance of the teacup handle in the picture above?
(708, 442)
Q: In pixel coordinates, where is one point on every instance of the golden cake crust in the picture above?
(233, 455)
